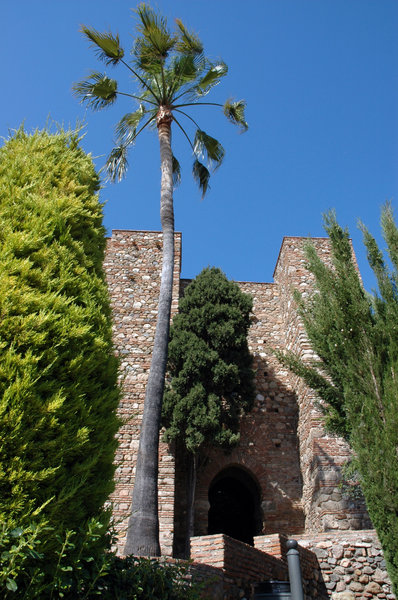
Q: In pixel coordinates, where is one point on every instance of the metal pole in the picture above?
(293, 563)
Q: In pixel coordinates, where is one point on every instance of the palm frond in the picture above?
(116, 164)
(127, 126)
(157, 41)
(176, 172)
(188, 42)
(201, 176)
(146, 60)
(211, 78)
(235, 112)
(98, 90)
(107, 45)
(206, 145)
(183, 70)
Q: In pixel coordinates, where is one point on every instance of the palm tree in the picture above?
(171, 74)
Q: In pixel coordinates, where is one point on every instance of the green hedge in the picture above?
(58, 373)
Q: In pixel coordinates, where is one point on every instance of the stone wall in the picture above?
(293, 464)
(268, 450)
(331, 563)
(351, 561)
(132, 265)
(321, 455)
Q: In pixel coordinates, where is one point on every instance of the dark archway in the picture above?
(235, 505)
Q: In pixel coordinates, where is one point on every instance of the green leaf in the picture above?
(176, 172)
(116, 164)
(211, 78)
(201, 176)
(17, 532)
(127, 126)
(188, 42)
(11, 585)
(152, 48)
(98, 90)
(235, 112)
(107, 45)
(205, 144)
(183, 70)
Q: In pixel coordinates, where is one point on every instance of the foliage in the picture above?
(133, 578)
(211, 379)
(355, 337)
(172, 74)
(81, 574)
(58, 391)
(71, 568)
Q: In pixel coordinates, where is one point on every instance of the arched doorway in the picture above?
(235, 505)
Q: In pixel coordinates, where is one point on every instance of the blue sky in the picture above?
(320, 79)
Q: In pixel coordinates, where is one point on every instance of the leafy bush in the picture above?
(133, 578)
(58, 372)
(29, 571)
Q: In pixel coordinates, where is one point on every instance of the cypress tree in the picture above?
(58, 373)
(355, 336)
(210, 369)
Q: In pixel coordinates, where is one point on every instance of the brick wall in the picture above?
(268, 450)
(240, 564)
(331, 563)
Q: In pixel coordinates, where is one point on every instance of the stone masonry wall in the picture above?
(351, 561)
(132, 265)
(268, 450)
(293, 464)
(331, 563)
(321, 455)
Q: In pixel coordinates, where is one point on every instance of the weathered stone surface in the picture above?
(338, 551)
(294, 463)
(373, 588)
(343, 596)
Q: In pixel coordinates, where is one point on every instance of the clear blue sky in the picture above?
(321, 82)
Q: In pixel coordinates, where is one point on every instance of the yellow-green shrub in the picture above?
(58, 391)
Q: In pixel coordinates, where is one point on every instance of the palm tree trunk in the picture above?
(143, 529)
(191, 498)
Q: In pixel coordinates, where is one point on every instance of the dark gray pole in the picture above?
(293, 563)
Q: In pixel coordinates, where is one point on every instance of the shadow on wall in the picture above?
(339, 505)
(254, 488)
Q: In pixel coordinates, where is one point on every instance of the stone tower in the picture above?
(284, 475)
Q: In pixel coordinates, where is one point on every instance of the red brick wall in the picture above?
(241, 565)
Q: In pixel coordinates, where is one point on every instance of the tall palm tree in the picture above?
(171, 74)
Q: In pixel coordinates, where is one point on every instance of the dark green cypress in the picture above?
(210, 367)
(58, 372)
(211, 381)
(355, 336)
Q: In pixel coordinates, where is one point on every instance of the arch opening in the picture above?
(234, 499)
